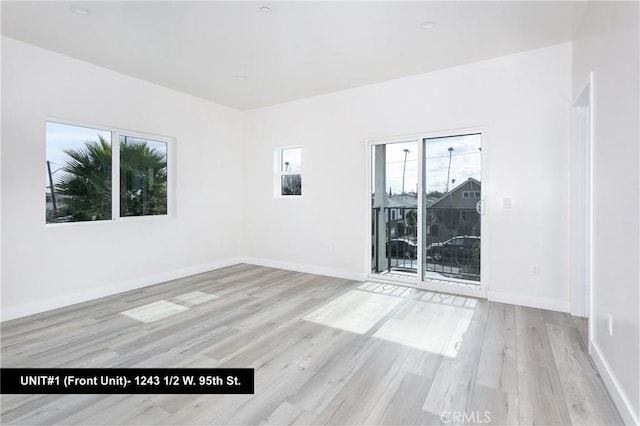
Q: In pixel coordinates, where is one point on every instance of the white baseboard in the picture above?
(309, 269)
(39, 306)
(530, 301)
(619, 396)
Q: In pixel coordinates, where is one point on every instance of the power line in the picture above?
(433, 158)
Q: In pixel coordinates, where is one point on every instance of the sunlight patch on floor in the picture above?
(154, 311)
(392, 289)
(195, 297)
(434, 327)
(356, 311)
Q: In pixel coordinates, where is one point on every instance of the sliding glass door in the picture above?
(426, 211)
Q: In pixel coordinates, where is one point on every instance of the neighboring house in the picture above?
(464, 196)
(454, 213)
(400, 220)
(399, 205)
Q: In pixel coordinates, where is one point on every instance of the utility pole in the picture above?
(404, 168)
(449, 169)
(53, 192)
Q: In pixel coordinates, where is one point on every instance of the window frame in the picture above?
(116, 132)
(279, 173)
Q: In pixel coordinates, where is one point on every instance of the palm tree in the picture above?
(86, 182)
(143, 179)
(85, 185)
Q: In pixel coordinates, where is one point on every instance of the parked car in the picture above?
(398, 247)
(460, 249)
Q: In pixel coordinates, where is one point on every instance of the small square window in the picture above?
(289, 172)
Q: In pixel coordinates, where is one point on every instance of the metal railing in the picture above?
(451, 242)
(400, 242)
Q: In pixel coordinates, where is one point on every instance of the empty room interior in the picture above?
(382, 212)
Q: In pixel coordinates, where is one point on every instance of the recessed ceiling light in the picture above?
(265, 10)
(428, 24)
(80, 10)
(241, 77)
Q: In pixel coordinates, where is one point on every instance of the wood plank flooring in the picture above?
(324, 350)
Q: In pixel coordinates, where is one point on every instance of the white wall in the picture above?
(48, 266)
(522, 99)
(608, 43)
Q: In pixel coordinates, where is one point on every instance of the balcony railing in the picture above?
(451, 242)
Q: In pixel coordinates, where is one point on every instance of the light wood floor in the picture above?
(325, 351)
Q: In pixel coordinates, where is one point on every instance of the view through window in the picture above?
(79, 175)
(290, 171)
(143, 177)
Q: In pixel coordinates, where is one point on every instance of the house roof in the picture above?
(403, 200)
(454, 190)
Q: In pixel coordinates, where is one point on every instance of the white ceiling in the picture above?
(301, 49)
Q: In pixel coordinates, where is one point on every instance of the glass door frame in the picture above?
(419, 281)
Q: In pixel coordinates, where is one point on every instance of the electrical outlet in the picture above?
(535, 270)
(610, 318)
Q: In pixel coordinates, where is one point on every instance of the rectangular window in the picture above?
(290, 172)
(89, 178)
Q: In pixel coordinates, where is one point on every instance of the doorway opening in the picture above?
(580, 224)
